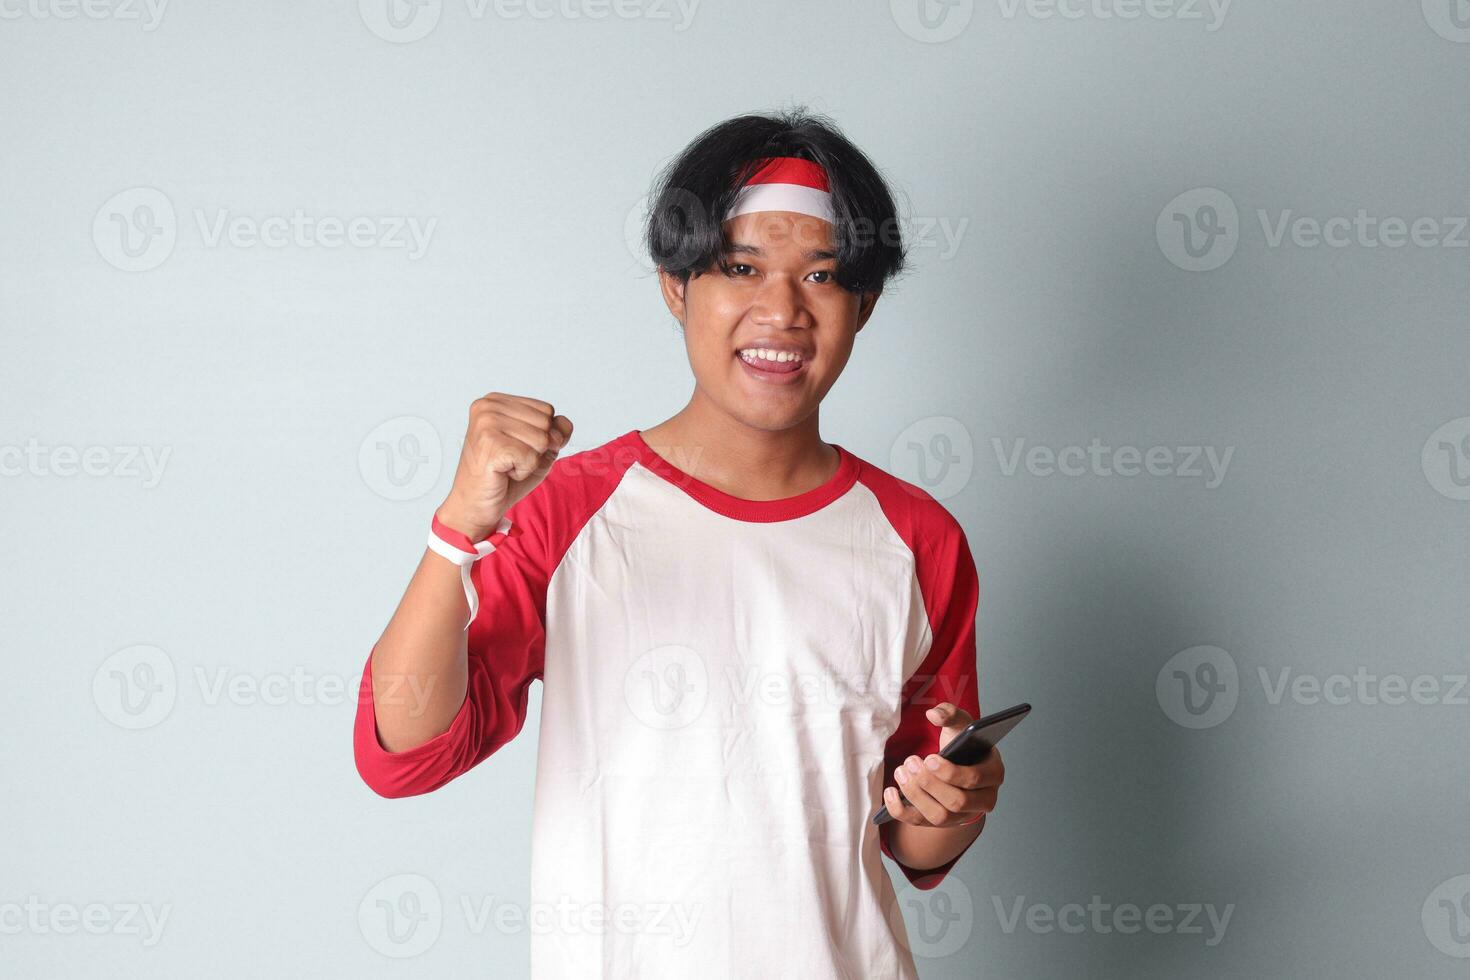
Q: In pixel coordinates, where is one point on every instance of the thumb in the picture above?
(562, 434)
(563, 427)
(951, 718)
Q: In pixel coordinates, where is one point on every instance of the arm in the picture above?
(932, 806)
(939, 807)
(439, 694)
(925, 848)
(420, 665)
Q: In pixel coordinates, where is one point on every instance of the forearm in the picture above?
(420, 666)
(928, 847)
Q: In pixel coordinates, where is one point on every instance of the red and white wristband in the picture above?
(453, 546)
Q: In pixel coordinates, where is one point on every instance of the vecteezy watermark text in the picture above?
(123, 462)
(1200, 230)
(1210, 12)
(137, 687)
(404, 914)
(1126, 918)
(406, 21)
(148, 13)
(40, 918)
(136, 230)
(1097, 459)
(1200, 687)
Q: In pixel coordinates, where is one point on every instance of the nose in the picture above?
(779, 304)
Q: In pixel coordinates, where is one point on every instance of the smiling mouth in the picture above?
(784, 364)
(773, 370)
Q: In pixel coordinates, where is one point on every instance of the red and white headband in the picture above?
(786, 184)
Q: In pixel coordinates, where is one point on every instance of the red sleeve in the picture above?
(506, 644)
(951, 590)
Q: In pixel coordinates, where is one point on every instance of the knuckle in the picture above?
(536, 405)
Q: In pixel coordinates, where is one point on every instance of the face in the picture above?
(776, 294)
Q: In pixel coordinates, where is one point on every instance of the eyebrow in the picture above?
(742, 248)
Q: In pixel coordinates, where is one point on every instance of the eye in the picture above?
(823, 272)
(733, 270)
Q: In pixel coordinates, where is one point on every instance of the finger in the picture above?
(524, 405)
(932, 811)
(900, 810)
(980, 801)
(989, 771)
(951, 718)
(965, 777)
(509, 406)
(992, 768)
(947, 795)
(539, 436)
(503, 452)
(563, 427)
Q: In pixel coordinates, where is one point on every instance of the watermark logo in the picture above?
(940, 920)
(634, 223)
(683, 210)
(1446, 917)
(1450, 19)
(136, 687)
(1198, 687)
(1199, 230)
(139, 686)
(935, 454)
(135, 230)
(1446, 459)
(932, 21)
(401, 916)
(667, 687)
(401, 21)
(401, 459)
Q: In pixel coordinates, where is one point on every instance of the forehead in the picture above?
(779, 232)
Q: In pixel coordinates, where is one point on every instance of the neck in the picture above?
(740, 459)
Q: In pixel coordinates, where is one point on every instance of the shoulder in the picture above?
(923, 522)
(575, 488)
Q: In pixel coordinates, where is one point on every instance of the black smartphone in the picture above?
(970, 745)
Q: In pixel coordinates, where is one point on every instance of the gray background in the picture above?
(272, 547)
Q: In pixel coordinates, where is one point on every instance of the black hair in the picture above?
(694, 192)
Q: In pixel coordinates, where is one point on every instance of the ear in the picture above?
(865, 308)
(673, 290)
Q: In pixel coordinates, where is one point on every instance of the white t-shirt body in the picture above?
(727, 688)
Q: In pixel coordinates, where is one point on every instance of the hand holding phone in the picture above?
(972, 744)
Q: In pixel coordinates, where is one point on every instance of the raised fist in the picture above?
(509, 446)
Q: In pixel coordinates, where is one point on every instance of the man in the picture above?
(749, 639)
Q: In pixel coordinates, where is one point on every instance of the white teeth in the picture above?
(761, 353)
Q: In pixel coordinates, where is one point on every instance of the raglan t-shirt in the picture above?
(727, 687)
